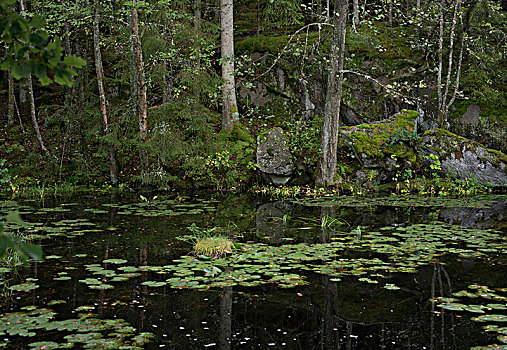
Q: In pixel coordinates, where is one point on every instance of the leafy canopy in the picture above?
(31, 52)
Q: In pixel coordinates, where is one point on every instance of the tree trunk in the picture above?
(443, 89)
(355, 9)
(10, 112)
(33, 111)
(390, 14)
(329, 142)
(230, 115)
(141, 91)
(113, 168)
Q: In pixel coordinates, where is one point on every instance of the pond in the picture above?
(344, 272)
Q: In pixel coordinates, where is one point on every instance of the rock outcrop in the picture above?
(273, 156)
(465, 159)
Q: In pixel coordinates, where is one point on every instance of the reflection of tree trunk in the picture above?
(330, 333)
(225, 337)
(349, 333)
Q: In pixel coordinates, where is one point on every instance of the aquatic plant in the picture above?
(490, 306)
(209, 242)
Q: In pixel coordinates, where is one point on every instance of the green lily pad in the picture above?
(114, 261)
(491, 318)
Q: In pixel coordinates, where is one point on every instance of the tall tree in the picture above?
(141, 89)
(113, 167)
(33, 111)
(230, 115)
(329, 141)
(446, 98)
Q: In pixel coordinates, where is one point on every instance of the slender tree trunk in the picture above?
(33, 111)
(230, 115)
(10, 112)
(390, 13)
(450, 64)
(440, 60)
(141, 91)
(113, 167)
(329, 142)
(355, 18)
(443, 89)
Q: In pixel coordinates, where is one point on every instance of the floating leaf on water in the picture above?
(391, 286)
(465, 293)
(101, 286)
(491, 318)
(478, 309)
(154, 283)
(453, 306)
(497, 306)
(81, 255)
(44, 345)
(24, 287)
(62, 278)
(90, 281)
(53, 257)
(56, 302)
(115, 261)
(5, 269)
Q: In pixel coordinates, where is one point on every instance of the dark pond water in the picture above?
(299, 279)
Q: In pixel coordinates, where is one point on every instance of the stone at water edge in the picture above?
(273, 156)
(467, 159)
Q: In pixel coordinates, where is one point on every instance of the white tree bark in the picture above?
(230, 115)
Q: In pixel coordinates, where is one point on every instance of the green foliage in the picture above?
(5, 177)
(25, 38)
(303, 140)
(404, 136)
(15, 247)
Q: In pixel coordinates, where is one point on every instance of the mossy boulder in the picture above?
(368, 152)
(465, 159)
(273, 156)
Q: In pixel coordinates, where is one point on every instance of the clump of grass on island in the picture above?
(216, 246)
(209, 242)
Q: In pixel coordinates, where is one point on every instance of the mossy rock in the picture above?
(466, 159)
(366, 155)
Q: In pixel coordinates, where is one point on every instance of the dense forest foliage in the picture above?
(174, 93)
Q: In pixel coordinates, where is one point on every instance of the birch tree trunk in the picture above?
(329, 141)
(355, 13)
(10, 111)
(230, 115)
(141, 91)
(33, 111)
(445, 101)
(113, 167)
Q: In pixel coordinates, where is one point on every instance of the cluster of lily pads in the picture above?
(384, 252)
(402, 201)
(490, 306)
(87, 331)
(159, 207)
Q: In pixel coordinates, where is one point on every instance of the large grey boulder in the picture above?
(466, 159)
(273, 156)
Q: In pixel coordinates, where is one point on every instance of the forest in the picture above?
(175, 94)
(253, 174)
